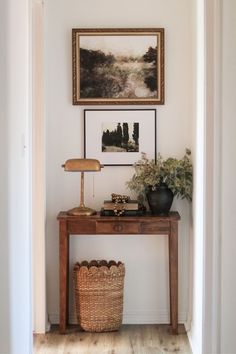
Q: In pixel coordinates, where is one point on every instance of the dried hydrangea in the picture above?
(177, 174)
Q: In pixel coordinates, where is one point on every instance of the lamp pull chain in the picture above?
(93, 186)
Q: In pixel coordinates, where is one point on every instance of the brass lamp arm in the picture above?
(82, 191)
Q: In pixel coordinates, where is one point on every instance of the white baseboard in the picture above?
(132, 317)
(48, 326)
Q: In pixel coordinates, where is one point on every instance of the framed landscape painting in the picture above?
(117, 137)
(118, 66)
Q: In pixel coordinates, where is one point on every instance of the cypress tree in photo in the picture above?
(125, 134)
(135, 134)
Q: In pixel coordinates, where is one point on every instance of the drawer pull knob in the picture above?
(118, 228)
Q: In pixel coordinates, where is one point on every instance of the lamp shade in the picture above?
(82, 165)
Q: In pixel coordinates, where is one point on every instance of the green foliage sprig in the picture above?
(177, 174)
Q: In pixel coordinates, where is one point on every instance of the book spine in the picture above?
(126, 213)
(120, 206)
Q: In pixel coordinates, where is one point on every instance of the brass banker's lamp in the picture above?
(82, 165)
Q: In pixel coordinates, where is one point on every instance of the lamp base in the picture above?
(81, 211)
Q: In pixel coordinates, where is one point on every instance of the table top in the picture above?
(173, 216)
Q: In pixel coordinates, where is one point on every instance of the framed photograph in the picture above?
(117, 137)
(118, 66)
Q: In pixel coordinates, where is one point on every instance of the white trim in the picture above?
(212, 260)
(204, 334)
(38, 203)
(132, 317)
(196, 300)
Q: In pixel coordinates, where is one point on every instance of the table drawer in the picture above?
(82, 227)
(155, 228)
(117, 227)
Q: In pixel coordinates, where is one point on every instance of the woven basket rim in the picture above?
(97, 266)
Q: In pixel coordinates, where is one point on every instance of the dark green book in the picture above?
(126, 213)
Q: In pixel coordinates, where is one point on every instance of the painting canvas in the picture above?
(118, 66)
(119, 136)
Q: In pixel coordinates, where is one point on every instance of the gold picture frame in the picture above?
(118, 66)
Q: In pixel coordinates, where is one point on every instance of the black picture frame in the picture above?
(117, 137)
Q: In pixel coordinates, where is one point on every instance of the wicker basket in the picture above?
(99, 295)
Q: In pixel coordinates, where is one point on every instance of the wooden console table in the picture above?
(103, 225)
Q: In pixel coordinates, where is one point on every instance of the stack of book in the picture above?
(131, 208)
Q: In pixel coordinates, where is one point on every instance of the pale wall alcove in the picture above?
(146, 258)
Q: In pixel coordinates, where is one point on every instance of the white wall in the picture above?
(228, 209)
(146, 286)
(4, 225)
(15, 270)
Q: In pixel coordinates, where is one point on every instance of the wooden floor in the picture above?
(130, 339)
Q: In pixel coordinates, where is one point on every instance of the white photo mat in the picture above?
(95, 121)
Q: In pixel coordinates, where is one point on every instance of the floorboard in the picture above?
(130, 339)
